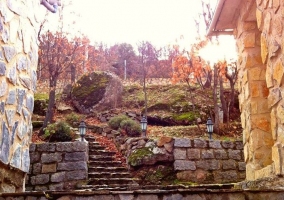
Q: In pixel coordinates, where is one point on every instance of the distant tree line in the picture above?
(121, 59)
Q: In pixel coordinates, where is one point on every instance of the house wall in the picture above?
(260, 66)
(18, 62)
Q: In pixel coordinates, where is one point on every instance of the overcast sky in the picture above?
(162, 22)
(158, 21)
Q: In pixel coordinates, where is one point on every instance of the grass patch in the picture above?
(187, 183)
(41, 96)
(189, 116)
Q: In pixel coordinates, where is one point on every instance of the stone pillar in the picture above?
(254, 94)
(270, 22)
(18, 63)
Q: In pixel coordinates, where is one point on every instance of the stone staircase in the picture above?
(104, 172)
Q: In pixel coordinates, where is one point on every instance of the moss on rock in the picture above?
(97, 91)
(90, 89)
(137, 156)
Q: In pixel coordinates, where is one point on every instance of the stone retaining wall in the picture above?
(194, 160)
(183, 194)
(57, 166)
(209, 161)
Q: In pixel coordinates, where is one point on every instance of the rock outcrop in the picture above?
(97, 91)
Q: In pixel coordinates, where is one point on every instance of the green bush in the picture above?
(72, 118)
(58, 132)
(131, 127)
(114, 122)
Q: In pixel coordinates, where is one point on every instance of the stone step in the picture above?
(107, 169)
(100, 158)
(108, 174)
(105, 163)
(104, 172)
(112, 187)
(95, 146)
(101, 152)
(90, 138)
(111, 181)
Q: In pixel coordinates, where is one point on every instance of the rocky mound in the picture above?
(97, 91)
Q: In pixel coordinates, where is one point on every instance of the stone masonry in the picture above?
(57, 166)
(193, 193)
(254, 94)
(209, 161)
(18, 63)
(259, 34)
(194, 160)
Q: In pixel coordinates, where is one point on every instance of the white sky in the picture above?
(161, 22)
(157, 21)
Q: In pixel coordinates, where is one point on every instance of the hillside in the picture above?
(172, 111)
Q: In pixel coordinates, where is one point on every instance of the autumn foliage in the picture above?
(58, 54)
(189, 67)
(61, 56)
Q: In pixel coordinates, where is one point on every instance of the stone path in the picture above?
(104, 172)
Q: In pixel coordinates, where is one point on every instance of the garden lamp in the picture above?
(82, 129)
(144, 125)
(209, 125)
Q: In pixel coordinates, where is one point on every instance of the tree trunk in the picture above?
(73, 74)
(51, 104)
(145, 92)
(208, 80)
(232, 95)
(215, 99)
(223, 102)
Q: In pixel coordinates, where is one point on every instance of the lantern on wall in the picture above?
(82, 129)
(143, 125)
(209, 125)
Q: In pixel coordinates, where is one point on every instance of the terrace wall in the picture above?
(178, 194)
(57, 166)
(194, 160)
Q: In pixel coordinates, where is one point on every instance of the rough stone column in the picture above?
(270, 22)
(253, 89)
(18, 62)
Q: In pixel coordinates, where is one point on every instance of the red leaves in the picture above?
(104, 141)
(110, 146)
(58, 53)
(191, 69)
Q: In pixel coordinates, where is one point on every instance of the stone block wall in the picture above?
(195, 193)
(259, 34)
(57, 166)
(269, 17)
(194, 160)
(209, 161)
(19, 22)
(254, 92)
